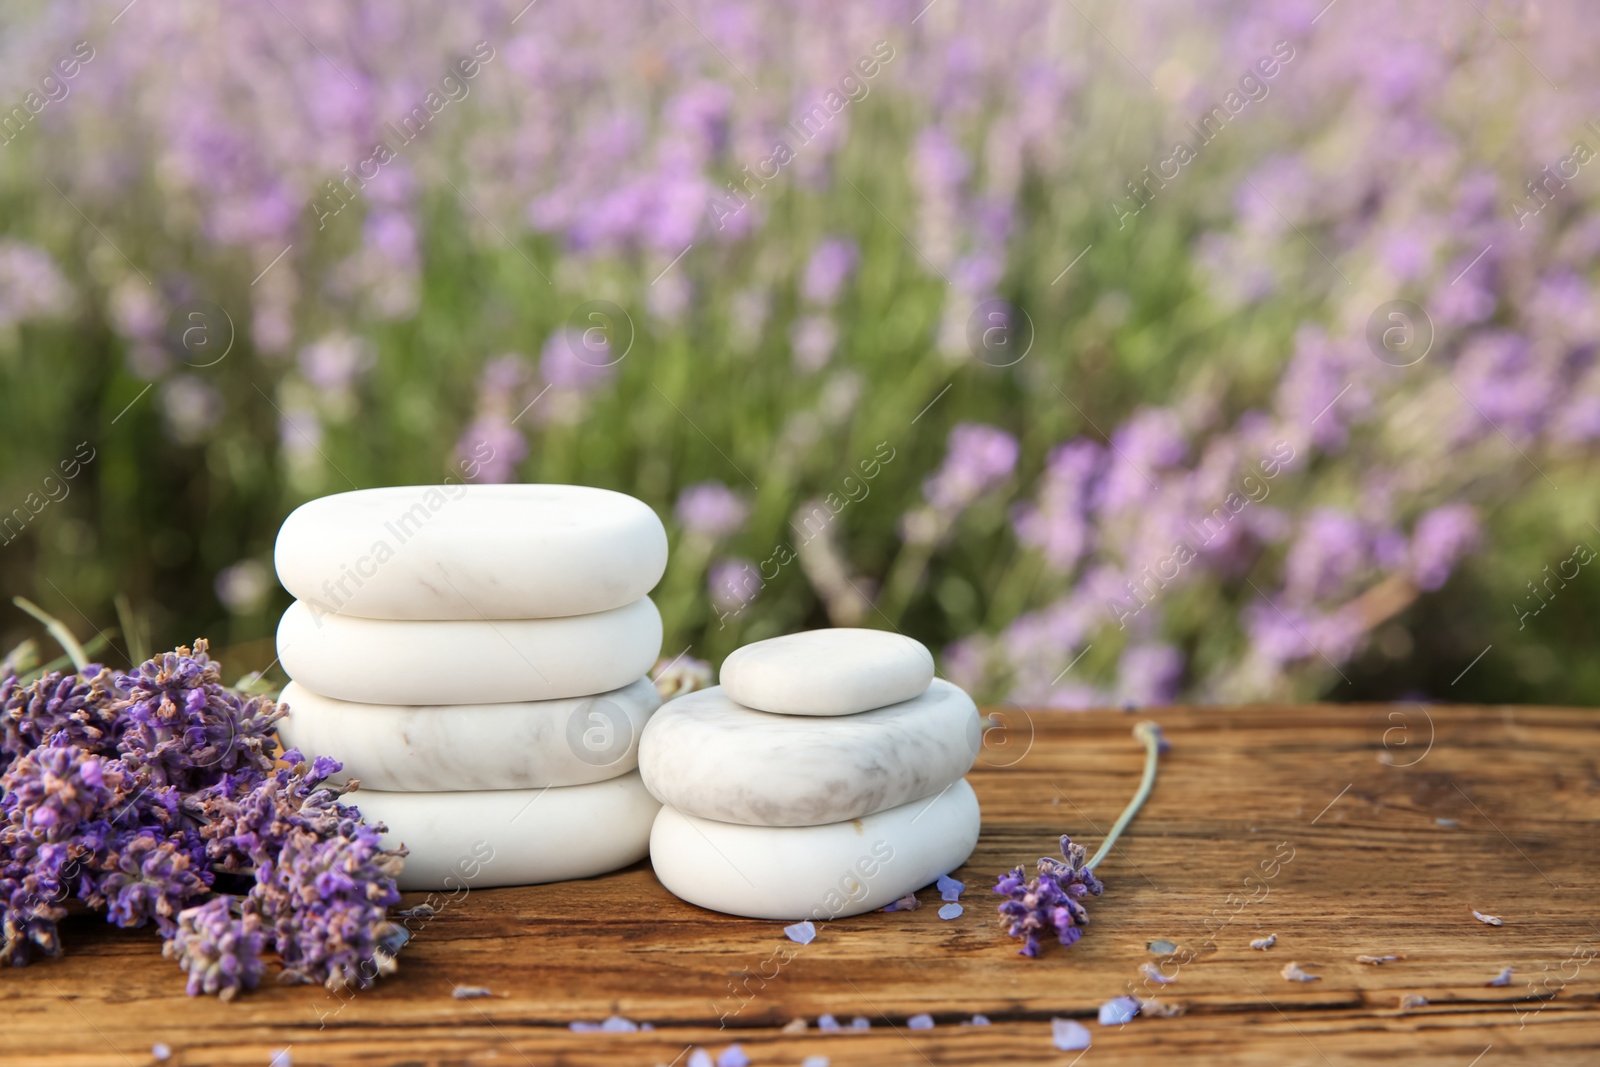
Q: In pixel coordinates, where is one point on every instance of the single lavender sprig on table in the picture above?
(1052, 901)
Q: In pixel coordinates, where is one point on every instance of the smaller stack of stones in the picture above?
(821, 778)
(477, 657)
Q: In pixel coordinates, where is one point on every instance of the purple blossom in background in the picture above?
(1441, 539)
(1329, 551)
(576, 360)
(733, 583)
(831, 264)
(1150, 441)
(31, 286)
(190, 407)
(813, 338)
(1058, 524)
(336, 362)
(979, 458)
(1149, 674)
(494, 446)
(710, 509)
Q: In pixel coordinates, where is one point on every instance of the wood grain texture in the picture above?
(1320, 824)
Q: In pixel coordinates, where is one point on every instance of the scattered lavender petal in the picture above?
(1488, 920)
(470, 992)
(1118, 1010)
(1450, 823)
(581, 1027)
(803, 932)
(794, 1026)
(645, 1028)
(828, 1024)
(1413, 1000)
(1069, 1035)
(1292, 973)
(949, 888)
(733, 1056)
(1264, 943)
(979, 1020)
(1377, 961)
(1152, 972)
(950, 911)
(161, 1051)
(618, 1025)
(909, 902)
(1501, 979)
(861, 1022)
(281, 1058)
(418, 911)
(923, 1021)
(1161, 948)
(700, 1058)
(814, 1061)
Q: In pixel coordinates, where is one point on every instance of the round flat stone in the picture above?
(464, 841)
(827, 672)
(459, 551)
(381, 661)
(443, 747)
(709, 757)
(815, 872)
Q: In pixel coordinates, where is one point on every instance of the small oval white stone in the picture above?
(381, 661)
(815, 872)
(707, 756)
(471, 551)
(464, 841)
(840, 671)
(442, 747)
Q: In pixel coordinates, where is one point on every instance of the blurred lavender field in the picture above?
(1122, 352)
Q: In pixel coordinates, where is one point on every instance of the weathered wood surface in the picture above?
(1318, 824)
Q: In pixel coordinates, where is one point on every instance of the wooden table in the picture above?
(1345, 831)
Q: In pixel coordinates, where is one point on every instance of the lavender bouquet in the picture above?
(145, 795)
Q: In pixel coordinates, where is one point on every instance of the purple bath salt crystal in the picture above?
(618, 1025)
(923, 1021)
(861, 1022)
(950, 911)
(803, 932)
(700, 1058)
(1069, 1035)
(949, 888)
(828, 1024)
(909, 902)
(1118, 1010)
(733, 1056)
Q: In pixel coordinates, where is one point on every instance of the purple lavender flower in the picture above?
(578, 361)
(220, 952)
(979, 458)
(733, 583)
(1051, 902)
(831, 264)
(1442, 537)
(813, 338)
(1332, 548)
(492, 448)
(1058, 523)
(1149, 674)
(711, 510)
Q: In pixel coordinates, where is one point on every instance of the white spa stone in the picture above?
(379, 661)
(471, 551)
(815, 872)
(709, 757)
(464, 841)
(437, 747)
(827, 672)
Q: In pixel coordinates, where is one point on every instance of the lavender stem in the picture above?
(1150, 734)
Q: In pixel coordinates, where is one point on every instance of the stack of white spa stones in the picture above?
(477, 657)
(822, 778)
